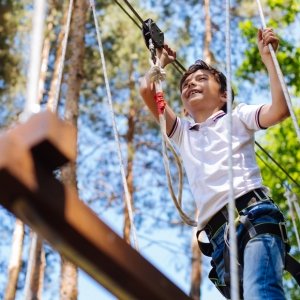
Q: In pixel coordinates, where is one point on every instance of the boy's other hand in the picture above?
(166, 55)
(265, 37)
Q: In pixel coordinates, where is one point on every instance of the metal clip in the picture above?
(283, 232)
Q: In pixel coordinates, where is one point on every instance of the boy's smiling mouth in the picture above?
(194, 91)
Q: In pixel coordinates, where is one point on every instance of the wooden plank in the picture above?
(17, 171)
(51, 140)
(58, 215)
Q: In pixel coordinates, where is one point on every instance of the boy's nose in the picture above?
(191, 83)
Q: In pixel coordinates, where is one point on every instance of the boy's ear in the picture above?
(224, 97)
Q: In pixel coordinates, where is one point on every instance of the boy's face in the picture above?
(201, 91)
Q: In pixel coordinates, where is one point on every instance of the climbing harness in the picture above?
(128, 200)
(250, 231)
(154, 39)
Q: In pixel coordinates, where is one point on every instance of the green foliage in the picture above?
(287, 9)
(288, 54)
(10, 58)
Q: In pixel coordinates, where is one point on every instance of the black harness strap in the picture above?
(263, 228)
(291, 264)
(206, 248)
(293, 267)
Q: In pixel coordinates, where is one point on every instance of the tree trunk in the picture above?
(130, 155)
(68, 284)
(35, 269)
(207, 54)
(196, 269)
(15, 262)
(54, 82)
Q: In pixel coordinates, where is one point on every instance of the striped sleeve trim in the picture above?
(175, 125)
(257, 118)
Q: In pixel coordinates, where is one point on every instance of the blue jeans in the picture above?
(263, 259)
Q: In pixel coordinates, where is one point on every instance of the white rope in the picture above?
(116, 135)
(156, 75)
(296, 205)
(54, 105)
(32, 105)
(288, 194)
(280, 75)
(166, 142)
(234, 280)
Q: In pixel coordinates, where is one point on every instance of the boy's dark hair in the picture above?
(219, 76)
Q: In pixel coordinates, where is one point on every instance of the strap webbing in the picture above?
(293, 267)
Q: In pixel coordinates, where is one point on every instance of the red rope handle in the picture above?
(160, 101)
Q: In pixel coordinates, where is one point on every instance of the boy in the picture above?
(203, 147)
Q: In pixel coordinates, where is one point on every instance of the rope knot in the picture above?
(157, 73)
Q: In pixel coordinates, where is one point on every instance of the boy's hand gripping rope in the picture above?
(157, 75)
(280, 75)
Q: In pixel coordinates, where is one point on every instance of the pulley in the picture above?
(151, 31)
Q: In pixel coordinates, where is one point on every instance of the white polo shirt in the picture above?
(204, 151)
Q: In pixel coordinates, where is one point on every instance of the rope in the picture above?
(54, 105)
(234, 286)
(280, 75)
(177, 200)
(32, 105)
(134, 11)
(115, 130)
(176, 64)
(132, 19)
(289, 195)
(182, 69)
(277, 164)
(296, 204)
(156, 75)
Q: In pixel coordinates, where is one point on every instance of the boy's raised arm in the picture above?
(277, 110)
(147, 91)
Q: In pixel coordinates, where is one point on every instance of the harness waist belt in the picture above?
(241, 203)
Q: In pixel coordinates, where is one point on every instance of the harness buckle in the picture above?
(265, 198)
(283, 232)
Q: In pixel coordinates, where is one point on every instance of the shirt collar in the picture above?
(213, 118)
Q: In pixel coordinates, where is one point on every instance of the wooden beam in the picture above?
(51, 140)
(28, 189)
